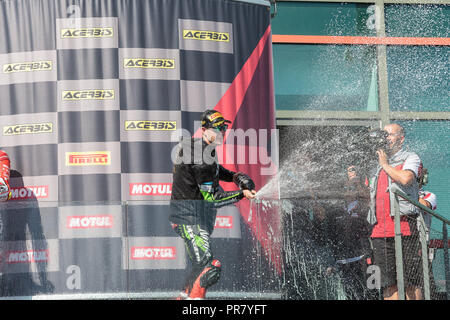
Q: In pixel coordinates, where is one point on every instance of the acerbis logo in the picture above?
(90, 222)
(28, 66)
(28, 192)
(96, 94)
(150, 125)
(150, 189)
(224, 222)
(153, 63)
(28, 128)
(87, 33)
(153, 253)
(206, 35)
(27, 256)
(89, 158)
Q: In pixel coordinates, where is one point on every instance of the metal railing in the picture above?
(422, 234)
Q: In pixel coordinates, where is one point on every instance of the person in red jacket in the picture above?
(5, 190)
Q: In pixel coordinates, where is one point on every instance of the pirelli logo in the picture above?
(150, 125)
(206, 35)
(149, 63)
(94, 32)
(28, 66)
(153, 253)
(28, 129)
(96, 94)
(89, 158)
(215, 116)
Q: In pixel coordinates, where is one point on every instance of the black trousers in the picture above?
(197, 242)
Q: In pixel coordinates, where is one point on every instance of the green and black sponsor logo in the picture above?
(146, 63)
(150, 125)
(28, 66)
(206, 35)
(31, 128)
(95, 32)
(95, 94)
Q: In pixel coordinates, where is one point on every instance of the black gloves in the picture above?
(243, 181)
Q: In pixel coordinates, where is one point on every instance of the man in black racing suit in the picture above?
(196, 195)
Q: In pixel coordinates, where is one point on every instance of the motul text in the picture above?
(90, 222)
(29, 192)
(27, 256)
(153, 253)
(150, 189)
(224, 222)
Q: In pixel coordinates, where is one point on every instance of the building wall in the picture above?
(369, 63)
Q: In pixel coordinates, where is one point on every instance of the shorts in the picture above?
(384, 258)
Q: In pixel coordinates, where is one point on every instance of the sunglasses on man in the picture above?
(221, 128)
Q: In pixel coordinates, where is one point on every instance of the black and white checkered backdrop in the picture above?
(91, 95)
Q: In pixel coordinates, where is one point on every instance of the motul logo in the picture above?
(224, 222)
(150, 189)
(153, 253)
(28, 192)
(94, 158)
(90, 222)
(27, 256)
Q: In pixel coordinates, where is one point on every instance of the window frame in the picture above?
(384, 115)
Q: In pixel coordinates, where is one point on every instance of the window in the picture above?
(419, 78)
(313, 18)
(431, 141)
(417, 20)
(325, 77)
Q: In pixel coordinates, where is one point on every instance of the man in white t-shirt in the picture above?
(399, 167)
